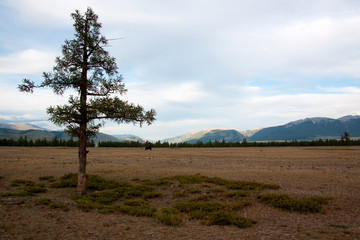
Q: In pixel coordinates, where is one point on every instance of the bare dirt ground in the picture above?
(300, 172)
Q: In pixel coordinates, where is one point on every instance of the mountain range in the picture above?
(302, 130)
(32, 132)
(305, 129)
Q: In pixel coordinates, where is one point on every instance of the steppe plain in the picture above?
(299, 171)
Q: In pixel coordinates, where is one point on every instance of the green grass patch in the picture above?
(93, 182)
(224, 217)
(48, 202)
(44, 201)
(47, 178)
(206, 197)
(211, 200)
(194, 190)
(152, 195)
(169, 216)
(237, 194)
(21, 182)
(215, 213)
(103, 197)
(180, 194)
(28, 188)
(284, 201)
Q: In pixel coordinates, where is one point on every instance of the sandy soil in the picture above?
(301, 172)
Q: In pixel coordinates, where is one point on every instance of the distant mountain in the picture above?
(34, 134)
(304, 129)
(130, 138)
(311, 129)
(206, 135)
(228, 135)
(20, 126)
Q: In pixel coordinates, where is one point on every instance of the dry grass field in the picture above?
(300, 172)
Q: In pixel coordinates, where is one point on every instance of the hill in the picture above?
(130, 138)
(311, 129)
(33, 132)
(304, 129)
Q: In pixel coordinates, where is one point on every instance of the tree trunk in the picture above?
(81, 187)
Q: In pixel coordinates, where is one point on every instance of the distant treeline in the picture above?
(244, 143)
(55, 142)
(24, 142)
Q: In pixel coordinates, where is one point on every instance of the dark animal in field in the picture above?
(148, 148)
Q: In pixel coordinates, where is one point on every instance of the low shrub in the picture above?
(284, 201)
(215, 213)
(169, 216)
(206, 197)
(152, 195)
(21, 182)
(44, 201)
(194, 190)
(47, 178)
(224, 217)
(237, 194)
(140, 209)
(93, 182)
(180, 194)
(103, 197)
(29, 188)
(235, 206)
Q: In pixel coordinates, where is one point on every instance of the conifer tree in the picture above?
(87, 67)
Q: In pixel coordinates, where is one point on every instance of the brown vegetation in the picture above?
(301, 173)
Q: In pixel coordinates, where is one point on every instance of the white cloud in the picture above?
(161, 94)
(14, 118)
(288, 107)
(29, 61)
(203, 64)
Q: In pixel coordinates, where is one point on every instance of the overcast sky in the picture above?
(238, 64)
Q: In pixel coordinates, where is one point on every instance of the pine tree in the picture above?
(88, 68)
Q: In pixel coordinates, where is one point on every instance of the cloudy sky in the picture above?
(239, 64)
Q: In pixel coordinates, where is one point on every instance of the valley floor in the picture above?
(299, 171)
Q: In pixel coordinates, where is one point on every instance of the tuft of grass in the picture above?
(180, 194)
(237, 194)
(284, 201)
(93, 182)
(215, 213)
(47, 178)
(206, 197)
(44, 201)
(86, 205)
(157, 183)
(152, 195)
(218, 190)
(235, 206)
(21, 182)
(29, 188)
(224, 217)
(103, 197)
(109, 196)
(339, 226)
(194, 190)
(33, 189)
(137, 191)
(48, 202)
(169, 216)
(137, 208)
